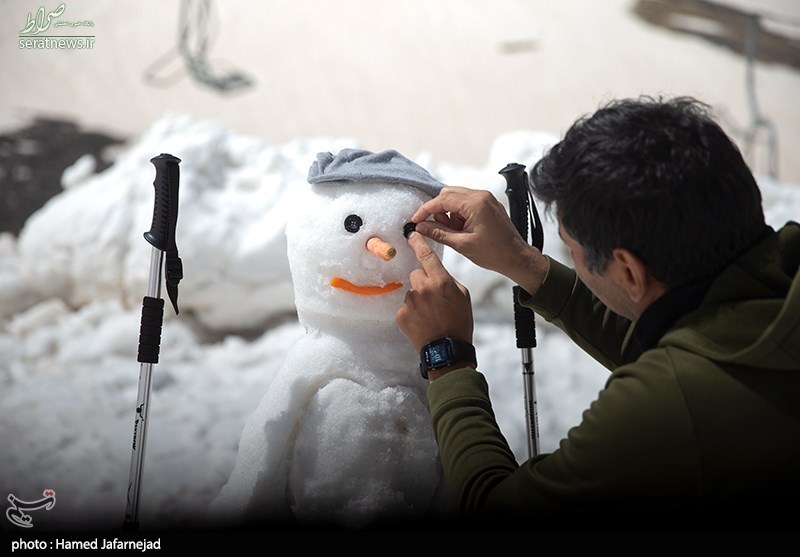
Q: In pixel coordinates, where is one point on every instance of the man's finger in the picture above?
(417, 278)
(439, 233)
(443, 218)
(448, 200)
(430, 262)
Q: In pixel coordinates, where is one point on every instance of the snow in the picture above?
(70, 296)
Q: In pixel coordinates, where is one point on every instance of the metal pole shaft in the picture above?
(524, 320)
(531, 412)
(142, 406)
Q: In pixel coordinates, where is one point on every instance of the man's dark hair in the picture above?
(659, 178)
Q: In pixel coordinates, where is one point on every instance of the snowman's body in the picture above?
(343, 433)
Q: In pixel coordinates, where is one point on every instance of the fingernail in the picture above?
(422, 228)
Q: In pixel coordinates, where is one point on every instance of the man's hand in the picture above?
(436, 305)
(476, 225)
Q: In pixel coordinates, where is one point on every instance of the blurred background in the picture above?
(246, 93)
(443, 77)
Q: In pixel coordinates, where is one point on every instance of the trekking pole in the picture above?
(161, 237)
(524, 322)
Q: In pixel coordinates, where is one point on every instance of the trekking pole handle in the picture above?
(517, 192)
(165, 208)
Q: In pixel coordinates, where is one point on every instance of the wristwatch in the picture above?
(444, 352)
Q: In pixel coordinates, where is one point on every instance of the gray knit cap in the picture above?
(386, 167)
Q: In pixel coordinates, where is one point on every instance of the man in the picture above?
(679, 288)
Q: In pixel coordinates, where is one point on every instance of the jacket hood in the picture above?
(754, 303)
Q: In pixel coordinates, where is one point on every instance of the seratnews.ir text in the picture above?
(56, 42)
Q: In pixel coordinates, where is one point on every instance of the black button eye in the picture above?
(408, 228)
(353, 223)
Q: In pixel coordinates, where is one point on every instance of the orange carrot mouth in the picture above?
(337, 282)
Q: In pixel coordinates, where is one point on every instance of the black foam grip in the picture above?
(525, 323)
(165, 208)
(150, 330)
(516, 190)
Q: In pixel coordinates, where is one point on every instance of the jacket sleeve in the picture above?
(564, 301)
(633, 447)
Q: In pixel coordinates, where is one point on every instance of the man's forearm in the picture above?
(530, 270)
(475, 455)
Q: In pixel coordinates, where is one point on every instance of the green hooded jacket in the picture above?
(708, 417)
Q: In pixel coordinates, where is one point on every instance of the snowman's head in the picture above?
(348, 255)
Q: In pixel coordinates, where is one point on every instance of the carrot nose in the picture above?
(382, 249)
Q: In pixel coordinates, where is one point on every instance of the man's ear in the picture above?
(632, 275)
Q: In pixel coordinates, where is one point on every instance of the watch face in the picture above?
(438, 354)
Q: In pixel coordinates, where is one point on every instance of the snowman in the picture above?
(343, 436)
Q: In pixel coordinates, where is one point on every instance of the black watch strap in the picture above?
(444, 352)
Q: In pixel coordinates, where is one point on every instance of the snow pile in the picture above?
(70, 295)
(86, 245)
